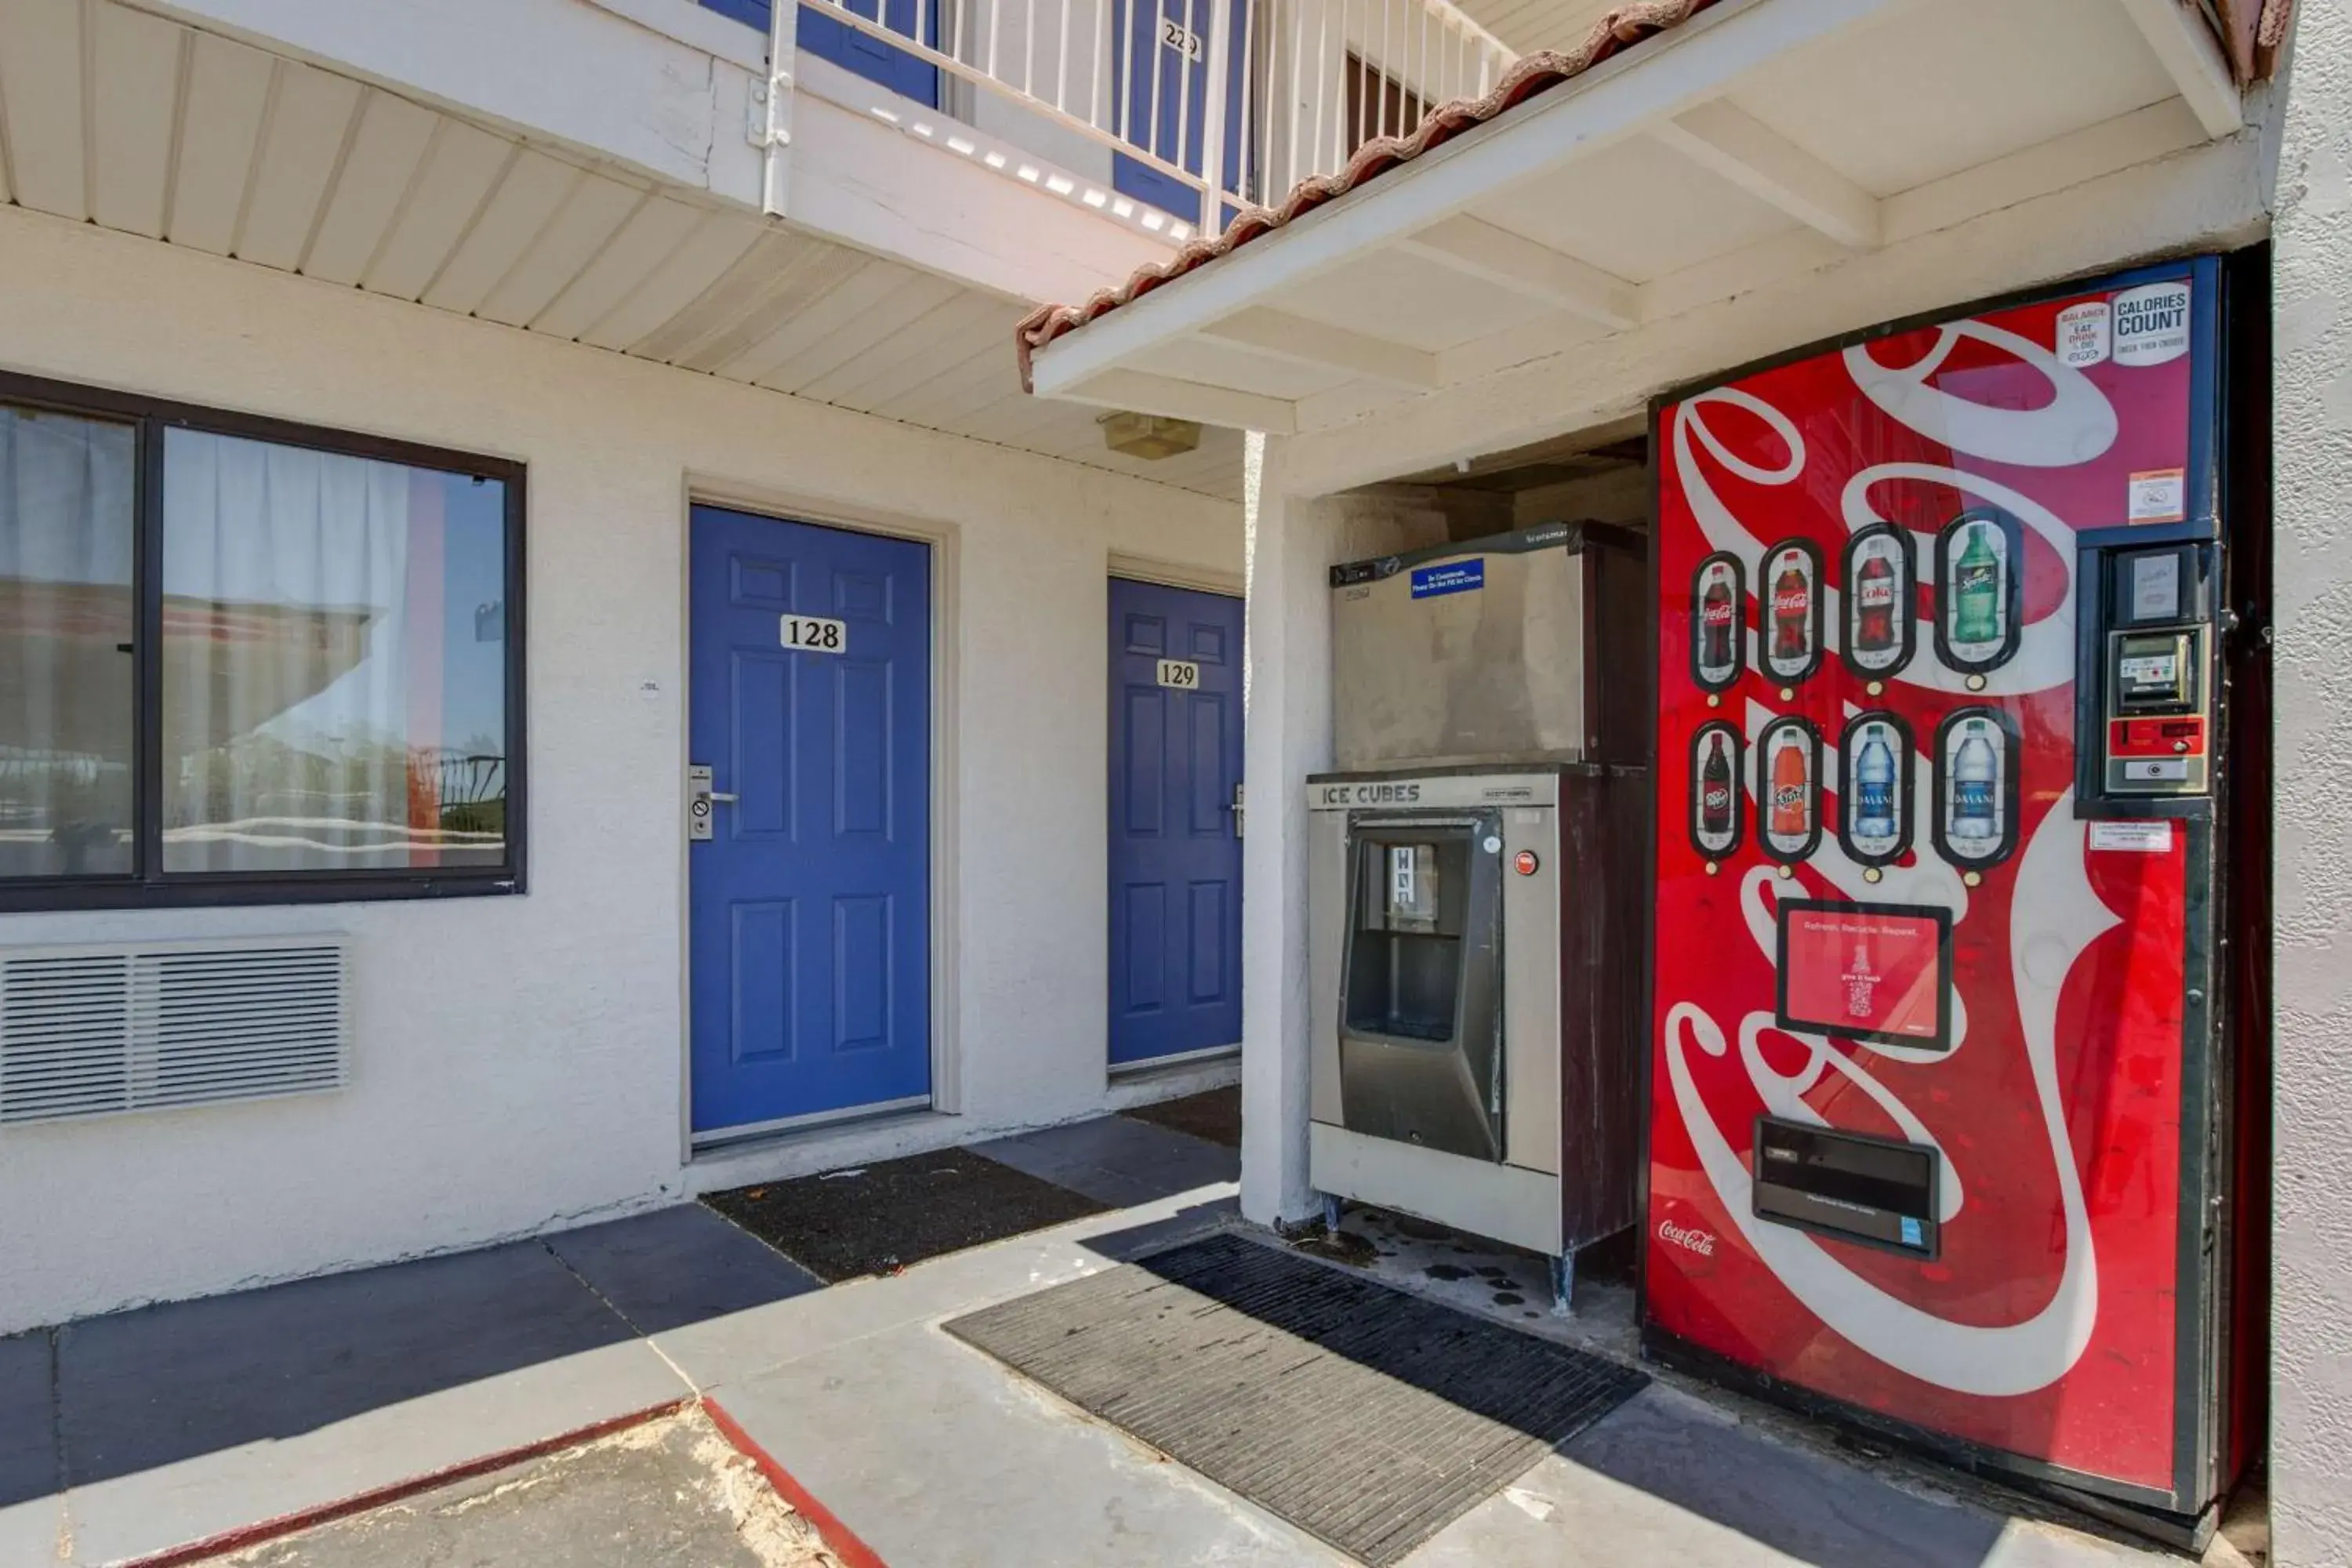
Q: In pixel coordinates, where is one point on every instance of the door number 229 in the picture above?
(1182, 674)
(814, 634)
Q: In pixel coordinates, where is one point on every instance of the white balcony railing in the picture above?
(1198, 119)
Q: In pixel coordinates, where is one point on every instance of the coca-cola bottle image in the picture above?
(1975, 589)
(1792, 613)
(1715, 619)
(1975, 777)
(1791, 816)
(1715, 791)
(1874, 599)
(1873, 790)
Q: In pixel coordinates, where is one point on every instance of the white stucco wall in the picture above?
(518, 1061)
(2311, 1320)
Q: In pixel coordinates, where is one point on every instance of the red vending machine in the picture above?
(1942, 1073)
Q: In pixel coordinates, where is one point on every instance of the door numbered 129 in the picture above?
(1180, 673)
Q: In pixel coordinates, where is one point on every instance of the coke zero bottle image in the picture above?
(1715, 791)
(1874, 598)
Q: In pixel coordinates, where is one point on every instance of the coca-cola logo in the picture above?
(1717, 612)
(1877, 591)
(1689, 1238)
(1792, 601)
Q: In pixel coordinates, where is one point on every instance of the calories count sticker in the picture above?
(2151, 323)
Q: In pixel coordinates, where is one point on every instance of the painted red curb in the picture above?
(838, 1538)
(250, 1535)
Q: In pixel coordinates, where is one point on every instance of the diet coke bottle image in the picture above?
(1790, 823)
(1877, 577)
(1715, 651)
(1977, 599)
(1714, 827)
(1792, 610)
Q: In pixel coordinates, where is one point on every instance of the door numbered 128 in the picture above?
(816, 634)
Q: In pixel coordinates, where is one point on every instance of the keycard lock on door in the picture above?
(702, 802)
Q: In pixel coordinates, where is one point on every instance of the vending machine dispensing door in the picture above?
(1421, 982)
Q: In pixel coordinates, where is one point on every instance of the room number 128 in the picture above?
(814, 634)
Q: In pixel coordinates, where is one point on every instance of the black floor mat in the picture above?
(1213, 1118)
(895, 1213)
(1369, 1418)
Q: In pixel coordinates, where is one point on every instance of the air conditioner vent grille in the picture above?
(100, 1031)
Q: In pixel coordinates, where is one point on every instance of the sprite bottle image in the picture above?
(1975, 589)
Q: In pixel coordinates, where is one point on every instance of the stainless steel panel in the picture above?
(1531, 989)
(1428, 670)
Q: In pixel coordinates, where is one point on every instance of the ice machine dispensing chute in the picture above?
(1420, 1057)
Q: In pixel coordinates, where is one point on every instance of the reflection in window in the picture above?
(333, 665)
(68, 670)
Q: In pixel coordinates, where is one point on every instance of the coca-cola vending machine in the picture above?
(1946, 1074)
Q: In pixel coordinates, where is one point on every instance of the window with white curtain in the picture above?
(240, 659)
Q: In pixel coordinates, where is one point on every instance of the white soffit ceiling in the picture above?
(1759, 138)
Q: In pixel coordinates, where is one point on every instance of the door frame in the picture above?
(945, 540)
(1202, 580)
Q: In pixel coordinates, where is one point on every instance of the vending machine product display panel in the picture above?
(1938, 1094)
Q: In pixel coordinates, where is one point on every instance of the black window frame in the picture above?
(148, 885)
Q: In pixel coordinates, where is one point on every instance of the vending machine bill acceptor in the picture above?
(1943, 1077)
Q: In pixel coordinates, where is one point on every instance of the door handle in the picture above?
(719, 794)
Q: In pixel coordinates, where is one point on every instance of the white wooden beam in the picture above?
(1476, 248)
(1147, 394)
(1302, 341)
(2192, 57)
(1726, 140)
(1672, 72)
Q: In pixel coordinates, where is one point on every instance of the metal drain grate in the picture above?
(1365, 1416)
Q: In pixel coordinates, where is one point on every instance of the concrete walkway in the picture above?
(134, 1434)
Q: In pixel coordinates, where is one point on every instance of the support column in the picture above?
(1292, 542)
(2311, 1358)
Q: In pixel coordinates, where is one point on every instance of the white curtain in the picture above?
(286, 657)
(66, 707)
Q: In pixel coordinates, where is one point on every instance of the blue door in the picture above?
(1160, 95)
(810, 903)
(1175, 857)
(827, 36)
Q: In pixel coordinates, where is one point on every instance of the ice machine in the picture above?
(1474, 972)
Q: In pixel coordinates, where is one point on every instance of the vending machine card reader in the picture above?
(2154, 651)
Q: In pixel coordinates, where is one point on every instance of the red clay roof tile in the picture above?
(1611, 34)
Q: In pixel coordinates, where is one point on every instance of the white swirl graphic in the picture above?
(2077, 425)
(2056, 918)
